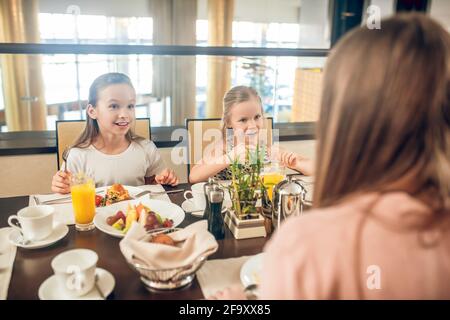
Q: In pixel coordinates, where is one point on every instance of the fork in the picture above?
(156, 193)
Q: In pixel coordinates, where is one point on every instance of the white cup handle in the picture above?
(186, 193)
(75, 280)
(14, 225)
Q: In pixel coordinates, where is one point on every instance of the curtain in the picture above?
(174, 23)
(220, 20)
(307, 95)
(25, 107)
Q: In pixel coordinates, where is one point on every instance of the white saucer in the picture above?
(189, 207)
(59, 231)
(51, 290)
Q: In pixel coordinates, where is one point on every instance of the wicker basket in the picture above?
(166, 279)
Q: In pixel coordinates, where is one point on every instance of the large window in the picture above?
(272, 77)
(269, 24)
(67, 77)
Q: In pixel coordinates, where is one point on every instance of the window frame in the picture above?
(288, 131)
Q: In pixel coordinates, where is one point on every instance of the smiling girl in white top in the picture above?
(108, 150)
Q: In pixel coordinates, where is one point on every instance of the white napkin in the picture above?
(63, 211)
(219, 274)
(192, 242)
(7, 256)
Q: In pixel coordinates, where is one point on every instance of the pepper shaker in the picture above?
(216, 223)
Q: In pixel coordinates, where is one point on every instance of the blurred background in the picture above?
(286, 43)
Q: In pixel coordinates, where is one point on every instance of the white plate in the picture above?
(189, 207)
(251, 270)
(59, 231)
(64, 211)
(167, 210)
(50, 289)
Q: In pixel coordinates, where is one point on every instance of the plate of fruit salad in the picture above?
(117, 218)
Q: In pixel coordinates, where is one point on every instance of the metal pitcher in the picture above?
(288, 199)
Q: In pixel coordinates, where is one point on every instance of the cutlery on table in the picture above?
(194, 211)
(156, 193)
(66, 199)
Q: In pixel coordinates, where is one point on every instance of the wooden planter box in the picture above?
(245, 229)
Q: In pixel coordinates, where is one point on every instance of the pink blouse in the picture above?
(372, 247)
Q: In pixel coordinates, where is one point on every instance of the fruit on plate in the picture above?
(132, 215)
(119, 225)
(98, 200)
(148, 219)
(118, 216)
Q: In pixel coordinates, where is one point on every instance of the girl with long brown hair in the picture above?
(381, 227)
(107, 149)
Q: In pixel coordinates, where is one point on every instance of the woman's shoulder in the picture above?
(313, 243)
(318, 228)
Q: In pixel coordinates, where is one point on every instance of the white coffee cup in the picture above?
(35, 222)
(75, 270)
(198, 195)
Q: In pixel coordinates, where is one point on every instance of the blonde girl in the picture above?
(242, 112)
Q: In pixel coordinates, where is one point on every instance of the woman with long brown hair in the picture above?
(381, 224)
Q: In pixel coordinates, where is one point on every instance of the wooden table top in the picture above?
(32, 267)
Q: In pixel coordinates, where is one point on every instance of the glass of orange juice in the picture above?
(272, 174)
(82, 188)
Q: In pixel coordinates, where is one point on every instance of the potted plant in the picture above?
(244, 219)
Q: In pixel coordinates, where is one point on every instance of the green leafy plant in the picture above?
(246, 186)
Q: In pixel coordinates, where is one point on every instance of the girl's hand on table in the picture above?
(167, 176)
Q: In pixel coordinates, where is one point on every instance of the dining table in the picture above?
(32, 267)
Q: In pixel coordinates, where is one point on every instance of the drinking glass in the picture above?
(82, 188)
(272, 174)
